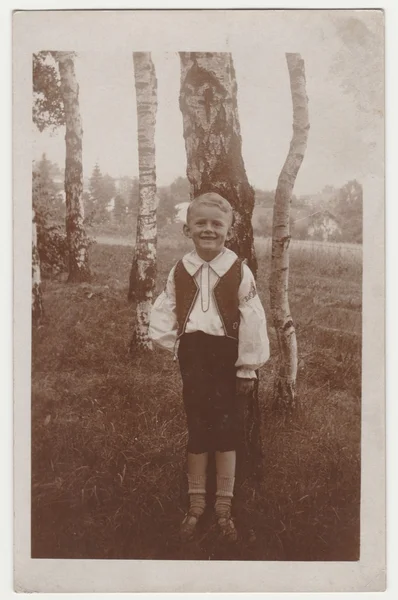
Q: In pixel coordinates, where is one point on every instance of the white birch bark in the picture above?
(285, 383)
(37, 304)
(75, 232)
(143, 269)
(208, 102)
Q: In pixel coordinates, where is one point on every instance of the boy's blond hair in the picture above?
(211, 199)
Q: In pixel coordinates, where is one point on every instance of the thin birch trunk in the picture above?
(143, 269)
(75, 233)
(285, 383)
(37, 303)
(208, 102)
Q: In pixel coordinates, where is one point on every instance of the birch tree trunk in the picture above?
(75, 233)
(37, 304)
(285, 383)
(208, 102)
(143, 269)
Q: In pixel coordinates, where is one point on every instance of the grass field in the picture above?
(109, 436)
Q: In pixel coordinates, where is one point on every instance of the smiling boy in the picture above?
(211, 314)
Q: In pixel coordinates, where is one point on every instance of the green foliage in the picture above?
(108, 188)
(120, 209)
(50, 218)
(180, 190)
(166, 208)
(94, 198)
(47, 189)
(102, 189)
(51, 244)
(348, 207)
(48, 108)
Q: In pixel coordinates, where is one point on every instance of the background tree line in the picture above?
(111, 205)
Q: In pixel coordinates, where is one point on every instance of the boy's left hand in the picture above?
(244, 387)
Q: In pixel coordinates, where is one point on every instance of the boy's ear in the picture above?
(186, 231)
(229, 234)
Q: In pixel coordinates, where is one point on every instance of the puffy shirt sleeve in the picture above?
(163, 320)
(253, 337)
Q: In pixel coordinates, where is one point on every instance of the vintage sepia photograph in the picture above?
(198, 222)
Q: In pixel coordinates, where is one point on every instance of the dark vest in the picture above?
(225, 294)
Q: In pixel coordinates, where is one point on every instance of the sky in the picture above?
(341, 140)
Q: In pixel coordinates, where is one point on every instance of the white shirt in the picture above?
(253, 348)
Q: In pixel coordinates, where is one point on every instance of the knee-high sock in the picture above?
(197, 465)
(225, 467)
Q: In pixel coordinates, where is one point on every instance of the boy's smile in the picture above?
(209, 228)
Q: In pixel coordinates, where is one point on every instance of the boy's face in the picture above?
(208, 227)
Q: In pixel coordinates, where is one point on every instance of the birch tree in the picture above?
(143, 269)
(37, 304)
(76, 236)
(208, 102)
(285, 382)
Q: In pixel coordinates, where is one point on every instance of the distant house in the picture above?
(181, 210)
(62, 196)
(59, 180)
(110, 207)
(324, 226)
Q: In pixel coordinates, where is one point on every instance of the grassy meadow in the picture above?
(108, 428)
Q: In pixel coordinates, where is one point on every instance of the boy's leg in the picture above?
(197, 466)
(221, 359)
(225, 466)
(190, 356)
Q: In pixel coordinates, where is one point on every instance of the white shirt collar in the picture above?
(220, 264)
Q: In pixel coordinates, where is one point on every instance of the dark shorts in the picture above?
(208, 372)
